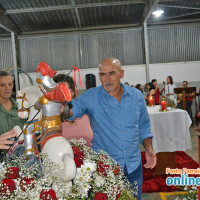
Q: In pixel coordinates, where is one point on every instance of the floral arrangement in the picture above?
(192, 193)
(98, 177)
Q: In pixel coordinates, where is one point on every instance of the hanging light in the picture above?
(158, 13)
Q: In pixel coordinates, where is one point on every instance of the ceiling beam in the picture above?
(41, 9)
(174, 17)
(181, 21)
(167, 0)
(76, 13)
(7, 23)
(182, 7)
(74, 30)
(149, 7)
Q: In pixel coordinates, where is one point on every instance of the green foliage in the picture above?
(126, 195)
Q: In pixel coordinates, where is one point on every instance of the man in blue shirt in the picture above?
(119, 120)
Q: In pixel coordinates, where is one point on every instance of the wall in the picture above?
(179, 71)
(136, 73)
(6, 58)
(170, 43)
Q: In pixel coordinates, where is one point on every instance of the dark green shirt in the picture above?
(9, 120)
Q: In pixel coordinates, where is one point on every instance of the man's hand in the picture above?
(151, 159)
(66, 112)
(149, 154)
(4, 142)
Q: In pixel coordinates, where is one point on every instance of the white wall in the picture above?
(189, 71)
(134, 74)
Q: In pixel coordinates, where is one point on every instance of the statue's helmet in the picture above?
(45, 74)
(45, 70)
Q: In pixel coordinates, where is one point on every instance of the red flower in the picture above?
(117, 197)
(75, 149)
(48, 194)
(117, 170)
(100, 196)
(26, 183)
(7, 184)
(102, 168)
(78, 162)
(118, 194)
(12, 173)
(78, 156)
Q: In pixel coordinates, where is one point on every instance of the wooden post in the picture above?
(183, 91)
(184, 100)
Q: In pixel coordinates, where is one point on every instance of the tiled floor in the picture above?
(194, 153)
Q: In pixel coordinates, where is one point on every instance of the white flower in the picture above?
(194, 188)
(2, 165)
(99, 181)
(186, 188)
(86, 178)
(89, 166)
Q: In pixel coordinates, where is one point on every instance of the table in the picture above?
(171, 133)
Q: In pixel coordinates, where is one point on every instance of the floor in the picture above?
(194, 153)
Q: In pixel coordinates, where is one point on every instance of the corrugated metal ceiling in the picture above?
(32, 16)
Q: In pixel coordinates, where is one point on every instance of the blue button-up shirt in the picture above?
(118, 128)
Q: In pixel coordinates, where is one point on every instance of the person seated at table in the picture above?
(169, 89)
(80, 127)
(189, 99)
(139, 87)
(146, 89)
(157, 91)
(152, 91)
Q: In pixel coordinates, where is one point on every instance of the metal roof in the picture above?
(43, 16)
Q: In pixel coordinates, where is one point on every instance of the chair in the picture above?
(197, 107)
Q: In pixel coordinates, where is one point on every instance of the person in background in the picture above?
(169, 89)
(189, 99)
(152, 90)
(126, 83)
(119, 119)
(8, 112)
(146, 90)
(139, 87)
(157, 91)
(8, 106)
(79, 128)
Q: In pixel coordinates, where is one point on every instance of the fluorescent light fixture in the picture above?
(158, 13)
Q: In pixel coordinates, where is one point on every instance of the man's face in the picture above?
(6, 86)
(155, 83)
(185, 84)
(110, 76)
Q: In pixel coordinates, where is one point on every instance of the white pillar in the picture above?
(14, 61)
(146, 45)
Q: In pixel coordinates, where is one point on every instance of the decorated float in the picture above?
(42, 164)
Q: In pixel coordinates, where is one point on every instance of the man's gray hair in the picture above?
(4, 73)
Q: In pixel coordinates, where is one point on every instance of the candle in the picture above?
(163, 105)
(151, 101)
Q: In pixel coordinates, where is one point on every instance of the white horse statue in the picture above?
(26, 99)
(52, 142)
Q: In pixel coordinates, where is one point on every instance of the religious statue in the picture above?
(44, 133)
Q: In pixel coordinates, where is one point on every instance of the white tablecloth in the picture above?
(170, 130)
